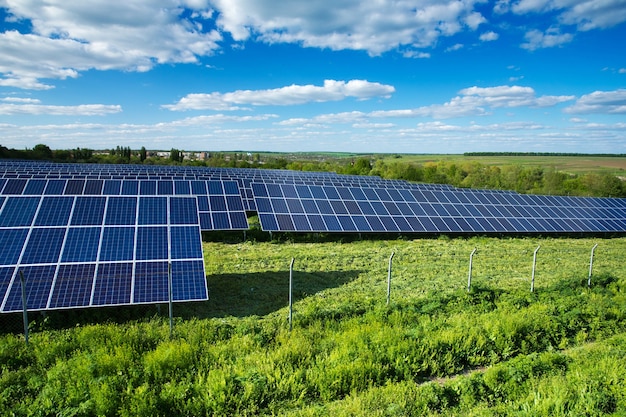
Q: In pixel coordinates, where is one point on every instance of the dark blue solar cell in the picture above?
(303, 191)
(11, 241)
(289, 191)
(113, 284)
(205, 221)
(383, 194)
(379, 208)
(88, 211)
(152, 210)
(474, 224)
(338, 207)
(217, 203)
(54, 211)
(147, 188)
(18, 211)
(44, 246)
(324, 207)
(268, 222)
(415, 224)
(74, 187)
(231, 188)
(73, 285)
(332, 224)
(121, 211)
(263, 205)
(429, 226)
(182, 187)
(38, 281)
(488, 225)
(279, 205)
(463, 225)
(391, 208)
(183, 210)
(347, 224)
(55, 187)
(358, 194)
(259, 190)
(285, 222)
(112, 187)
(238, 220)
(389, 224)
(352, 207)
(309, 206)
(452, 225)
(317, 192)
(451, 208)
(151, 282)
(130, 187)
(14, 186)
(234, 203)
(301, 223)
(404, 208)
(316, 222)
(188, 281)
(6, 275)
(294, 205)
(375, 223)
(402, 223)
(152, 243)
(203, 203)
(220, 221)
(186, 242)
(118, 244)
(35, 187)
(331, 193)
(198, 187)
(81, 244)
(366, 208)
(165, 187)
(371, 195)
(274, 190)
(344, 193)
(361, 224)
(440, 224)
(93, 187)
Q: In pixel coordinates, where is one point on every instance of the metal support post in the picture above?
(389, 277)
(24, 307)
(469, 274)
(532, 282)
(169, 293)
(591, 265)
(291, 294)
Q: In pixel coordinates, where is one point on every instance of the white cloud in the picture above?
(608, 102)
(373, 26)
(476, 101)
(489, 36)
(535, 39)
(622, 71)
(454, 47)
(40, 109)
(290, 95)
(586, 14)
(69, 37)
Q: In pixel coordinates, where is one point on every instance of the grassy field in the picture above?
(567, 164)
(436, 349)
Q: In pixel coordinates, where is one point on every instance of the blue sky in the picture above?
(410, 76)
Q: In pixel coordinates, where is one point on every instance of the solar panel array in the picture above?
(95, 235)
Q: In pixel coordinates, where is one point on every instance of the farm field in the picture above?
(566, 164)
(436, 349)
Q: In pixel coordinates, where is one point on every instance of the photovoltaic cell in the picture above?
(73, 286)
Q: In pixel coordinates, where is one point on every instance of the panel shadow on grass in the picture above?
(262, 293)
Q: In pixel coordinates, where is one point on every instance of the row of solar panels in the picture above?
(78, 251)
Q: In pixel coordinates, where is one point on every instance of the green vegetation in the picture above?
(435, 350)
(555, 174)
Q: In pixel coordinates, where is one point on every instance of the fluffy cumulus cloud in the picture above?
(290, 95)
(68, 37)
(607, 102)
(373, 26)
(536, 39)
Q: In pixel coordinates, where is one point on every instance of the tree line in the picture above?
(516, 177)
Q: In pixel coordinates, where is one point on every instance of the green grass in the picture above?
(436, 349)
